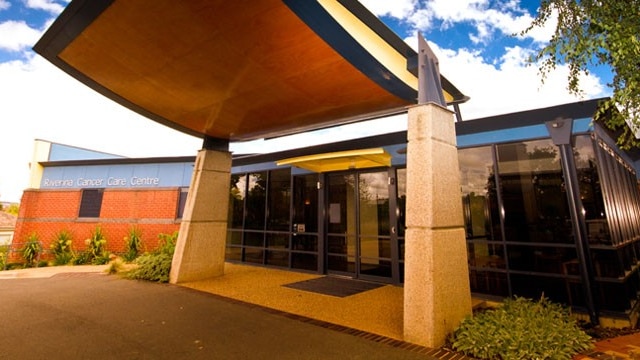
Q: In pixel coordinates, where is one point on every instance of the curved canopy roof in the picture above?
(238, 70)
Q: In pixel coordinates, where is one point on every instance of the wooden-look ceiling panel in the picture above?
(225, 69)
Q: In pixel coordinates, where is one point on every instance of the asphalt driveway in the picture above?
(97, 316)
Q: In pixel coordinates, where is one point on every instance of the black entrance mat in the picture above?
(334, 286)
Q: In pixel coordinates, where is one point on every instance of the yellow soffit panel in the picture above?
(341, 160)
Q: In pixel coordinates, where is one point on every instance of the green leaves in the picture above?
(61, 247)
(521, 329)
(591, 33)
(156, 266)
(133, 243)
(31, 250)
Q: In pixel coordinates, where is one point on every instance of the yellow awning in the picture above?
(341, 160)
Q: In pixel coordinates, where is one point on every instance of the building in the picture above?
(339, 208)
(226, 72)
(7, 226)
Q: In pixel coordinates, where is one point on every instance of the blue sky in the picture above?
(472, 39)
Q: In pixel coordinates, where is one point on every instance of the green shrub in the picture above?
(156, 266)
(96, 252)
(521, 329)
(134, 244)
(61, 248)
(4, 250)
(31, 250)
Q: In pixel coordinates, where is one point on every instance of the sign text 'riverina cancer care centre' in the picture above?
(121, 175)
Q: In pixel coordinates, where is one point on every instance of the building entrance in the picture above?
(360, 228)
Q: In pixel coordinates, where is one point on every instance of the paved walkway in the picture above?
(96, 316)
(374, 316)
(619, 348)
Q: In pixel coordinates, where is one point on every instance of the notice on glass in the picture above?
(334, 213)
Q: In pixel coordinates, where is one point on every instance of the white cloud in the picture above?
(39, 101)
(4, 4)
(399, 9)
(507, 18)
(17, 36)
(510, 85)
(46, 5)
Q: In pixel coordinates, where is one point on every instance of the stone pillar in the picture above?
(200, 249)
(437, 294)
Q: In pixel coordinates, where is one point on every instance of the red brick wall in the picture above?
(47, 212)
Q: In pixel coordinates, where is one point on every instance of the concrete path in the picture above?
(90, 315)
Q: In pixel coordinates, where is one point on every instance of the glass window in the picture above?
(182, 200)
(373, 196)
(479, 196)
(256, 201)
(305, 203)
(279, 200)
(236, 200)
(591, 191)
(401, 183)
(91, 203)
(532, 187)
(280, 241)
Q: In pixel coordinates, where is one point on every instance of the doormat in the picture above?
(334, 286)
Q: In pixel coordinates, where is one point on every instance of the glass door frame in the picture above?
(393, 225)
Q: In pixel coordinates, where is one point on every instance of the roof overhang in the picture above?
(341, 160)
(236, 70)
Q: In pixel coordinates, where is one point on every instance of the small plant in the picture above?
(156, 266)
(521, 329)
(4, 250)
(167, 243)
(115, 267)
(31, 250)
(61, 248)
(134, 244)
(96, 252)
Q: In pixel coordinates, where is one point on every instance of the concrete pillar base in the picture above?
(437, 295)
(200, 248)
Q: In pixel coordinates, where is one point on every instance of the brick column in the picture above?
(200, 249)
(437, 295)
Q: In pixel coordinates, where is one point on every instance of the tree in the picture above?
(593, 33)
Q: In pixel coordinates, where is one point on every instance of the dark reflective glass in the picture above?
(254, 239)
(304, 242)
(304, 261)
(618, 303)
(305, 203)
(234, 237)
(375, 247)
(489, 282)
(279, 199)
(375, 267)
(342, 205)
(236, 200)
(479, 195)
(253, 255)
(373, 195)
(256, 201)
(280, 241)
(533, 193)
(534, 287)
(337, 245)
(486, 255)
(277, 258)
(233, 254)
(607, 264)
(545, 259)
(341, 263)
(591, 191)
(401, 184)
